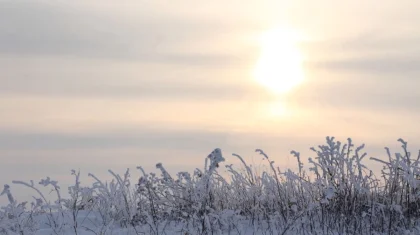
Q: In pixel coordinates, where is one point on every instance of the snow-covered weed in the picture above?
(335, 193)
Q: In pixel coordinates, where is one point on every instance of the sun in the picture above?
(279, 67)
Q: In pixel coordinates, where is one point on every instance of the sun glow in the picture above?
(279, 67)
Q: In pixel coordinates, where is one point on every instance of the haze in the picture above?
(97, 85)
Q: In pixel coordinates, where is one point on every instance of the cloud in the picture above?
(54, 29)
(380, 52)
(375, 71)
(385, 65)
(139, 138)
(149, 90)
(372, 93)
(72, 50)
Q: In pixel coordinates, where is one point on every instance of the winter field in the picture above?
(335, 193)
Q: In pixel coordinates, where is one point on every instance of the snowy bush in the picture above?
(335, 193)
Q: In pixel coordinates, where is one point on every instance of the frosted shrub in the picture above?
(14, 218)
(400, 196)
(190, 200)
(335, 193)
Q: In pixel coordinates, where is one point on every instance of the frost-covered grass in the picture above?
(338, 195)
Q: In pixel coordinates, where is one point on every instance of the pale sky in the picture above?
(97, 85)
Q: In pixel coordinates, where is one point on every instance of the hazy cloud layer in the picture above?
(123, 84)
(386, 66)
(140, 138)
(40, 28)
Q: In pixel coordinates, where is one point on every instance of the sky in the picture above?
(98, 85)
